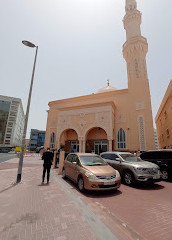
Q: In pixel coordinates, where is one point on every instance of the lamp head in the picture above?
(28, 44)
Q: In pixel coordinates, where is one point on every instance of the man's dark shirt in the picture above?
(48, 158)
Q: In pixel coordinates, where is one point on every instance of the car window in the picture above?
(92, 161)
(113, 157)
(69, 158)
(105, 156)
(75, 159)
(130, 158)
(151, 155)
(167, 155)
(109, 156)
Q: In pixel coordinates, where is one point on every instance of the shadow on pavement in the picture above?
(155, 186)
(11, 186)
(43, 185)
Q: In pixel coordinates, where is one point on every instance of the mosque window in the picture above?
(52, 141)
(121, 139)
(136, 68)
(141, 133)
(168, 132)
(144, 68)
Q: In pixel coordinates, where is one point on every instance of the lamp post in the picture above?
(28, 44)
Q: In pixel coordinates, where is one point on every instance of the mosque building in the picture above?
(110, 119)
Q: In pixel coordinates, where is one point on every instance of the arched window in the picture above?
(52, 141)
(121, 139)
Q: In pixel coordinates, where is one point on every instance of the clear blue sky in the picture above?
(80, 46)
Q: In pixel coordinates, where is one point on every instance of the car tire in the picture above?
(128, 178)
(63, 173)
(165, 175)
(81, 184)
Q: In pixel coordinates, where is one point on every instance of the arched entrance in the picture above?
(69, 141)
(96, 140)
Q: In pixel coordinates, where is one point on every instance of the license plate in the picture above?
(109, 183)
(156, 177)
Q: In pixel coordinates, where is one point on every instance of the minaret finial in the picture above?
(108, 82)
(130, 5)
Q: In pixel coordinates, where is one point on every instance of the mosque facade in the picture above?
(110, 119)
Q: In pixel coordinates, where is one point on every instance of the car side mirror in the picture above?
(118, 159)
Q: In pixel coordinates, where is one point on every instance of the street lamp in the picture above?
(28, 44)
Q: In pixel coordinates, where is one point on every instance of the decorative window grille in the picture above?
(136, 68)
(121, 139)
(52, 141)
(141, 133)
(144, 68)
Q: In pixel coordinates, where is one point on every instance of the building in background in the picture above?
(11, 122)
(110, 119)
(156, 138)
(163, 120)
(37, 138)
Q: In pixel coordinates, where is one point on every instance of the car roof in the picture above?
(159, 150)
(116, 152)
(84, 154)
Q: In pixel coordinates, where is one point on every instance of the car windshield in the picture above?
(130, 158)
(92, 161)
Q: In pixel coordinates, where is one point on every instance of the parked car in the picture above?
(132, 168)
(38, 149)
(163, 158)
(4, 150)
(90, 172)
(12, 152)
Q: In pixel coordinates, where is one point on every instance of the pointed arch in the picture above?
(121, 139)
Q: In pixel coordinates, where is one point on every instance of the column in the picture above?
(83, 146)
(110, 145)
(80, 146)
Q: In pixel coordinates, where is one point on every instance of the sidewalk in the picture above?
(31, 211)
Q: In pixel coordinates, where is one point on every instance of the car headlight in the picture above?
(117, 174)
(90, 175)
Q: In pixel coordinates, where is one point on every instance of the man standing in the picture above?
(48, 159)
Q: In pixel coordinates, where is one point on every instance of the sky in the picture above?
(79, 48)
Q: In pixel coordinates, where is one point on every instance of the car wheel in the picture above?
(164, 175)
(81, 184)
(64, 173)
(128, 178)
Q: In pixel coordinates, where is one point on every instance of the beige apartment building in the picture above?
(163, 120)
(110, 119)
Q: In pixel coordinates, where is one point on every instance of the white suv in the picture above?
(132, 168)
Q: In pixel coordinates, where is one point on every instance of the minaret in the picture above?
(134, 51)
(136, 47)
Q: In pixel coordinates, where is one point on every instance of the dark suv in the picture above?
(163, 158)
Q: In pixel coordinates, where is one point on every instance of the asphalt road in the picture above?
(6, 156)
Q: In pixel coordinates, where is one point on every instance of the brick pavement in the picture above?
(31, 211)
(145, 210)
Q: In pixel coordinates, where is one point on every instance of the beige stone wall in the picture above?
(164, 120)
(109, 111)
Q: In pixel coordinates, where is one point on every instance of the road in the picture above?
(144, 211)
(6, 156)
